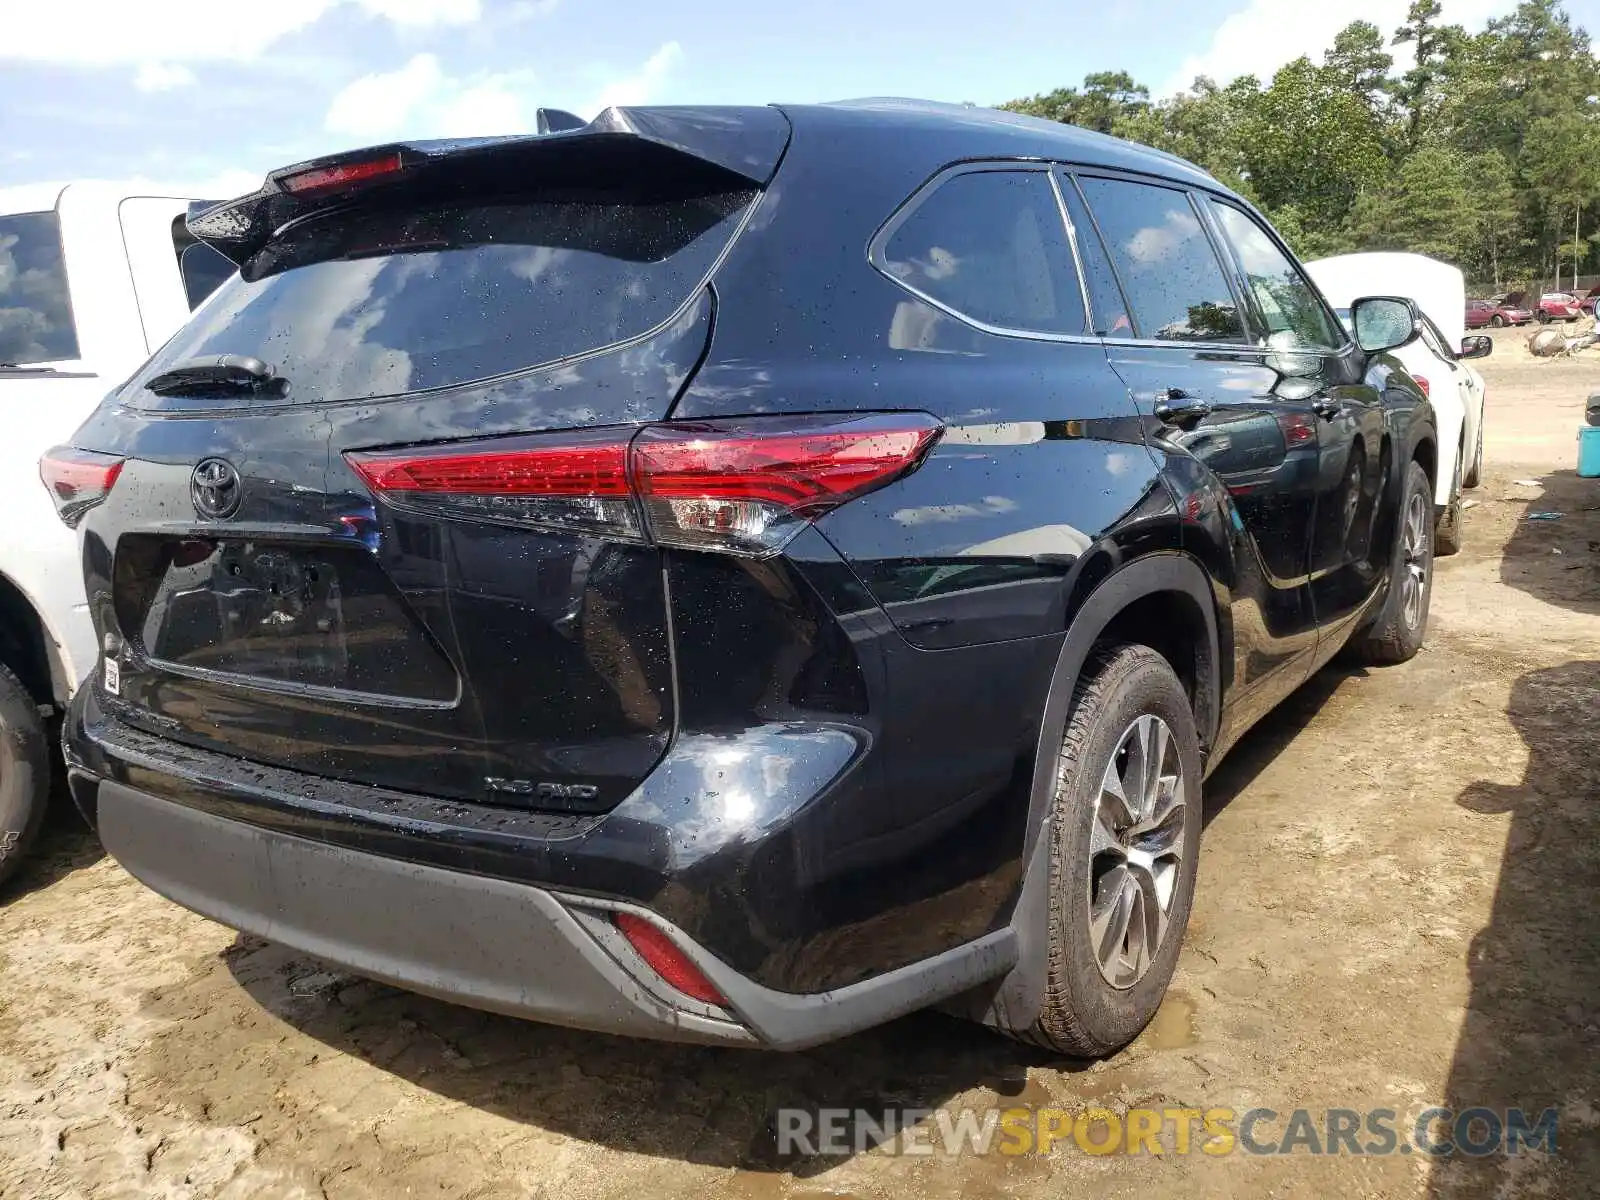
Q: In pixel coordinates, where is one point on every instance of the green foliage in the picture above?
(1107, 96)
(1478, 148)
(1312, 143)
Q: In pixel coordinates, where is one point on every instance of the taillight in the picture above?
(1299, 429)
(743, 485)
(1422, 382)
(747, 485)
(78, 480)
(576, 481)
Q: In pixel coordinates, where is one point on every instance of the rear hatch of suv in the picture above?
(254, 597)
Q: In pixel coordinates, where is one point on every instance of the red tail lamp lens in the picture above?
(666, 960)
(78, 480)
(575, 481)
(1422, 383)
(747, 485)
(1299, 429)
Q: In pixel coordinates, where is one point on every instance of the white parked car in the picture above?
(93, 278)
(1436, 358)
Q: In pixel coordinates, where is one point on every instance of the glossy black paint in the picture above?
(820, 766)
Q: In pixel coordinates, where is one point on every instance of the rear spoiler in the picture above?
(637, 150)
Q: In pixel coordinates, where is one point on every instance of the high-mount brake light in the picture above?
(321, 179)
(77, 480)
(743, 486)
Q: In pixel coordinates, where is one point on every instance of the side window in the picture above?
(1108, 312)
(1174, 283)
(1294, 315)
(991, 245)
(35, 310)
(203, 268)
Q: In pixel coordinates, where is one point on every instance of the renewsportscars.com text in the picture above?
(1435, 1132)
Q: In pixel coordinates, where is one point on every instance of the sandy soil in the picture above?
(1399, 905)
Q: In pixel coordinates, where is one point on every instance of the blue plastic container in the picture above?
(1589, 451)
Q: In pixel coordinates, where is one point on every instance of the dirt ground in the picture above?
(1399, 906)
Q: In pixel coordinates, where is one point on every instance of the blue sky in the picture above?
(218, 92)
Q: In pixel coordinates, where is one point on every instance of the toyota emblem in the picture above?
(216, 489)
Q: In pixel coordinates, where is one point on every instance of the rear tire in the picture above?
(1447, 532)
(1396, 636)
(1121, 871)
(24, 773)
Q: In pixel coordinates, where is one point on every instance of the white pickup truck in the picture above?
(93, 278)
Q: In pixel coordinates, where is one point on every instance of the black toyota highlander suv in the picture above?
(732, 574)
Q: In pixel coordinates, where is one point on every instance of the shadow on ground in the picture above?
(703, 1105)
(1272, 735)
(1558, 561)
(1531, 1039)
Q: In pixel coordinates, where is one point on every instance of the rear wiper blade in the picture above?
(218, 372)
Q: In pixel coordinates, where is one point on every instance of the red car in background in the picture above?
(1552, 306)
(1497, 312)
(1587, 301)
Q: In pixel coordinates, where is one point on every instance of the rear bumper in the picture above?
(505, 911)
(484, 942)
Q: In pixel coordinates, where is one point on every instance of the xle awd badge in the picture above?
(549, 791)
(216, 489)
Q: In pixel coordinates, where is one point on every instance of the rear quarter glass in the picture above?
(367, 303)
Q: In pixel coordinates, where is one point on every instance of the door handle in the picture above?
(1174, 406)
(1326, 407)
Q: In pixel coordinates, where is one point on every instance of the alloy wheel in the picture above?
(1418, 562)
(1136, 848)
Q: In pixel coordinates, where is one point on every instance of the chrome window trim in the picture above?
(1072, 244)
(880, 262)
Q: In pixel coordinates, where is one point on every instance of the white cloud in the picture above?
(83, 31)
(97, 33)
(163, 77)
(383, 103)
(495, 104)
(645, 84)
(1266, 34)
(425, 12)
(420, 100)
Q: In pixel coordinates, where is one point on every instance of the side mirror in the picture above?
(1476, 345)
(1384, 322)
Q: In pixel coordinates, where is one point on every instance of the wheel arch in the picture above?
(1425, 453)
(1146, 595)
(26, 644)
